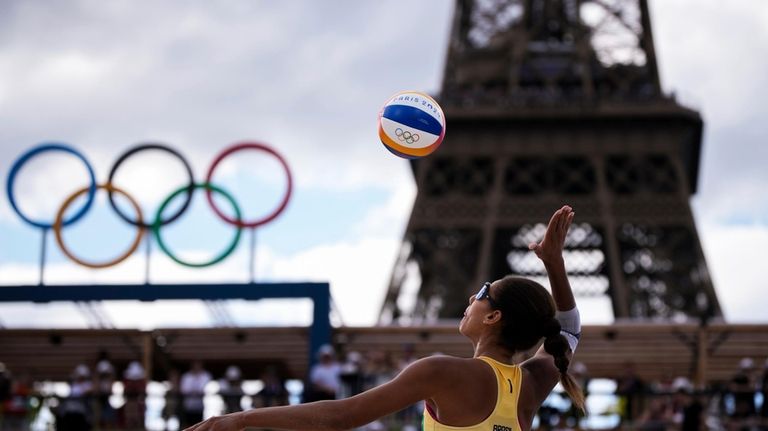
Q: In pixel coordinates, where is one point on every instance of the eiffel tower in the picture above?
(551, 102)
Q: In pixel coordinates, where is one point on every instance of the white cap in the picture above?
(325, 349)
(682, 384)
(355, 356)
(104, 367)
(233, 372)
(746, 363)
(81, 371)
(134, 371)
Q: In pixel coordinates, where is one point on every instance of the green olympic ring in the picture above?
(159, 221)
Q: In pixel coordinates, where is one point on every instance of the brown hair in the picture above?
(528, 315)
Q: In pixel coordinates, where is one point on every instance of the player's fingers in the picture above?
(568, 222)
(563, 219)
(553, 221)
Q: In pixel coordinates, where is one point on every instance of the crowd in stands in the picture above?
(739, 404)
(331, 378)
(90, 402)
(673, 404)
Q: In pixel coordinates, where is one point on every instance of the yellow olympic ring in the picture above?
(60, 218)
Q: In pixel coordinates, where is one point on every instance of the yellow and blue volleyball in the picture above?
(411, 125)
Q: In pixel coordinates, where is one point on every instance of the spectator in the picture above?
(656, 417)
(764, 392)
(742, 390)
(15, 408)
(380, 368)
(273, 393)
(631, 391)
(135, 392)
(665, 384)
(74, 411)
(409, 417)
(231, 389)
(192, 392)
(104, 414)
(324, 377)
(5, 389)
(688, 410)
(352, 376)
(172, 407)
(408, 357)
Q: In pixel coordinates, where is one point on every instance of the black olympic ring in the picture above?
(407, 136)
(144, 147)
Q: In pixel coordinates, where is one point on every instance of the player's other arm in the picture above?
(420, 380)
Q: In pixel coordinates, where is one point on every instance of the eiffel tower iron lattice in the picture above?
(551, 102)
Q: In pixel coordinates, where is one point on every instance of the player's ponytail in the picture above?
(556, 345)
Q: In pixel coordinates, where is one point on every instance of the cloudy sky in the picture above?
(308, 78)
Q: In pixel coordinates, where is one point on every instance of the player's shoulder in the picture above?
(447, 360)
(437, 365)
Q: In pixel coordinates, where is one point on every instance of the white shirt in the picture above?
(192, 387)
(326, 375)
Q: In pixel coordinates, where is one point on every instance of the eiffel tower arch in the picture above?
(551, 102)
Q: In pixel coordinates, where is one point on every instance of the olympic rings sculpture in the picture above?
(138, 220)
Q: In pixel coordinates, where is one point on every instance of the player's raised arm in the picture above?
(550, 251)
(551, 362)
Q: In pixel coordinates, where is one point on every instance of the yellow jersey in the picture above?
(509, 379)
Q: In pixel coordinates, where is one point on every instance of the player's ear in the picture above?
(492, 317)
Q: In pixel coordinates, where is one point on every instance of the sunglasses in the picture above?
(485, 293)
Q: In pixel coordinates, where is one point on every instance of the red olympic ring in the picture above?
(269, 217)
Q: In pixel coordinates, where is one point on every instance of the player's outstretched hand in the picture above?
(230, 422)
(550, 249)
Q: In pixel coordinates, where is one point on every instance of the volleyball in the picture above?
(411, 124)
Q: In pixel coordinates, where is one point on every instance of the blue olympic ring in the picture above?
(24, 158)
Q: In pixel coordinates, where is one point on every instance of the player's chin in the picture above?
(462, 323)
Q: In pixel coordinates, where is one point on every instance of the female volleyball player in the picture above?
(486, 392)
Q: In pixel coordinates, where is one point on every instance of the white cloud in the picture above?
(358, 272)
(53, 315)
(736, 260)
(390, 218)
(710, 52)
(739, 201)
(132, 270)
